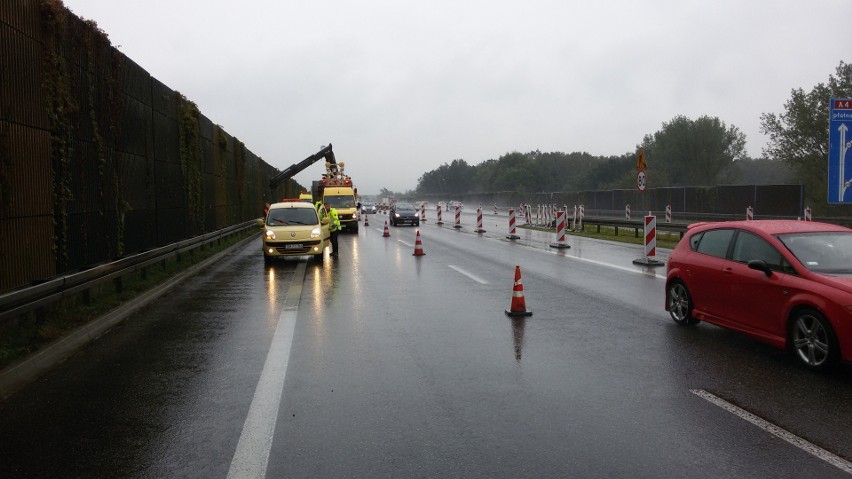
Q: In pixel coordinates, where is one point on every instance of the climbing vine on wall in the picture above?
(104, 100)
(5, 167)
(59, 105)
(190, 160)
(240, 176)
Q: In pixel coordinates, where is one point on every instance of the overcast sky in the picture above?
(401, 87)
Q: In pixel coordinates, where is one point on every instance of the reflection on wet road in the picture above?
(402, 365)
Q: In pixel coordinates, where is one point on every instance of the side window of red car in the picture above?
(749, 246)
(694, 240)
(715, 242)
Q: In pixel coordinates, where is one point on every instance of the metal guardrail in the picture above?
(24, 300)
(633, 224)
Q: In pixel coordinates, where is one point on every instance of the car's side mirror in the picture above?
(261, 222)
(760, 265)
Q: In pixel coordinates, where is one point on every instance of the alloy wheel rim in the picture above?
(679, 303)
(811, 340)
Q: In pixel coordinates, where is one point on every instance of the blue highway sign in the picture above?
(840, 145)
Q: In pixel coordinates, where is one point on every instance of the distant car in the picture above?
(368, 208)
(293, 228)
(402, 213)
(784, 282)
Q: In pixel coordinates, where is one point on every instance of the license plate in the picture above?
(293, 246)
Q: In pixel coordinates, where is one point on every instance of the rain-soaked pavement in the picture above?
(394, 365)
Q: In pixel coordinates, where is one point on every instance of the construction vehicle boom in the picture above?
(296, 168)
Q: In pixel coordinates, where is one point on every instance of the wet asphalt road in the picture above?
(403, 366)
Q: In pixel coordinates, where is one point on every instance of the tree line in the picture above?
(684, 152)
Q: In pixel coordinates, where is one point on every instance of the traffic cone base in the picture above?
(519, 305)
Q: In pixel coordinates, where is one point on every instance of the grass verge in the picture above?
(27, 334)
(624, 235)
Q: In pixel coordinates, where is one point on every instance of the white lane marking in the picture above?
(610, 265)
(776, 431)
(252, 454)
(471, 276)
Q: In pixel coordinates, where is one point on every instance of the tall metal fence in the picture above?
(767, 201)
(98, 158)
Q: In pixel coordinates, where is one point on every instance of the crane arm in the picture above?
(296, 168)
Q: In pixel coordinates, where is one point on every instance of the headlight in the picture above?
(396, 214)
(270, 234)
(416, 215)
(315, 233)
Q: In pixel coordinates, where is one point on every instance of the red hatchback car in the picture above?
(784, 282)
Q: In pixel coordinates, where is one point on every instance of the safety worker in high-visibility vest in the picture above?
(333, 226)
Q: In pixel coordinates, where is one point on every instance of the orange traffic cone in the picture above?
(387, 232)
(519, 306)
(418, 246)
(366, 220)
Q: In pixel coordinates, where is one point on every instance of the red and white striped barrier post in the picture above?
(458, 217)
(560, 231)
(479, 221)
(650, 241)
(423, 212)
(627, 212)
(808, 214)
(582, 214)
(512, 234)
(439, 222)
(668, 213)
(749, 213)
(650, 236)
(495, 208)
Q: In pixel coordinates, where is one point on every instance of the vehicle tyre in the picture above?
(813, 340)
(267, 259)
(417, 224)
(680, 304)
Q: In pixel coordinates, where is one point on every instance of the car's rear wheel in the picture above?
(813, 340)
(680, 304)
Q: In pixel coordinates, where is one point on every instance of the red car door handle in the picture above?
(728, 270)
